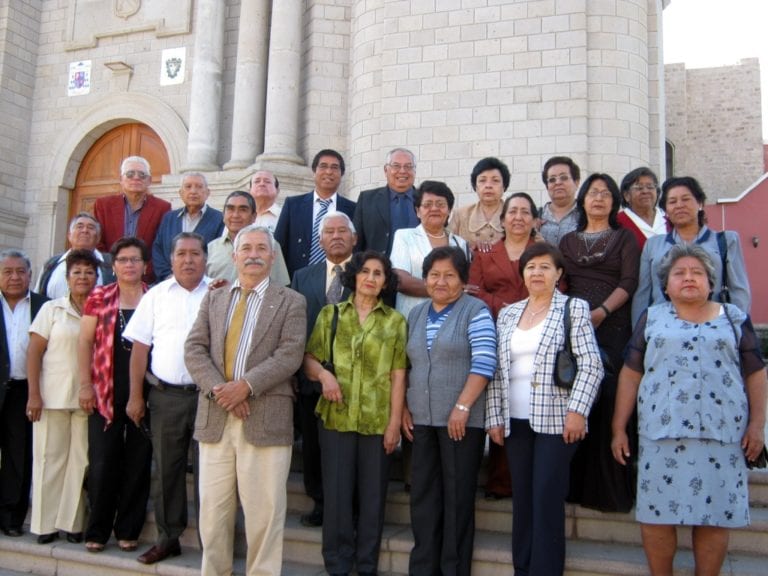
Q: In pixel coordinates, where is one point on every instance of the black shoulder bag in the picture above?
(565, 362)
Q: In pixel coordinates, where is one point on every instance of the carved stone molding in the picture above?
(90, 20)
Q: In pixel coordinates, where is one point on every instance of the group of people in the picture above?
(407, 323)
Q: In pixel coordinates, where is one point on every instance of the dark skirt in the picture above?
(597, 480)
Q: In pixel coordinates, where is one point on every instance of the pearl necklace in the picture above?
(435, 235)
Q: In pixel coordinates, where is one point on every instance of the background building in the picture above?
(226, 86)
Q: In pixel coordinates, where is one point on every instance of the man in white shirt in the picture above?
(84, 234)
(162, 321)
(19, 308)
(264, 188)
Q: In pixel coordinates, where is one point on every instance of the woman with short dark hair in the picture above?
(480, 223)
(60, 427)
(452, 350)
(640, 213)
(119, 453)
(538, 423)
(357, 353)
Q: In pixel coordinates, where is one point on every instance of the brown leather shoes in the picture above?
(158, 553)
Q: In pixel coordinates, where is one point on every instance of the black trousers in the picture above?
(539, 464)
(120, 458)
(172, 413)
(310, 447)
(16, 449)
(353, 464)
(443, 487)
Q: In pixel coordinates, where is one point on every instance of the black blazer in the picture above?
(294, 228)
(310, 282)
(35, 301)
(373, 221)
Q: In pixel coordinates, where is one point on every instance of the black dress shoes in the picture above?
(47, 538)
(314, 518)
(12, 532)
(158, 553)
(74, 537)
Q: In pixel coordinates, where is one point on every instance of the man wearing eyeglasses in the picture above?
(561, 176)
(132, 212)
(298, 227)
(382, 211)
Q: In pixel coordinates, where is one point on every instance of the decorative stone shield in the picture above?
(127, 8)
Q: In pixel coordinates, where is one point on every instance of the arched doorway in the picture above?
(99, 173)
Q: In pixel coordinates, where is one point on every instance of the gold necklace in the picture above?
(539, 311)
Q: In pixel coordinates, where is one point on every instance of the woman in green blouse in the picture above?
(360, 410)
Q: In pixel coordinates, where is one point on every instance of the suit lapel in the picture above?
(317, 276)
(382, 205)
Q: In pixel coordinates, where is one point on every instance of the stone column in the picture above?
(205, 99)
(282, 113)
(250, 83)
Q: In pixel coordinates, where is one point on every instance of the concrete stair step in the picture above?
(302, 555)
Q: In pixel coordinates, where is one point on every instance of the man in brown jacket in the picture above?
(243, 350)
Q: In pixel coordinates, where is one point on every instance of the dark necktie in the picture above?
(333, 295)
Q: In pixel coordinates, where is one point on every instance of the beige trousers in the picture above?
(59, 462)
(230, 468)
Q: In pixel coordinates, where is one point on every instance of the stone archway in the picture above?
(59, 177)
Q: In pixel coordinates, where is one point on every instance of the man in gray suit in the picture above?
(243, 350)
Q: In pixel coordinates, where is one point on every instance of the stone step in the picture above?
(302, 557)
(581, 523)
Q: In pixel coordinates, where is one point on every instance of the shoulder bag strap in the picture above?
(334, 324)
(567, 325)
(722, 247)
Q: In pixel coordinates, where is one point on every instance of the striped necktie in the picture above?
(316, 253)
(232, 339)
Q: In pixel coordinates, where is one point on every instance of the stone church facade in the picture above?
(267, 84)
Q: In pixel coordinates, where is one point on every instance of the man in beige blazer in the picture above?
(242, 351)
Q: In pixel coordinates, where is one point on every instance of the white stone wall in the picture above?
(456, 81)
(19, 31)
(714, 122)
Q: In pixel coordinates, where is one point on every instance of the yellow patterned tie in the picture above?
(232, 340)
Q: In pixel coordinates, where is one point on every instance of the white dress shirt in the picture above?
(17, 322)
(57, 283)
(163, 319)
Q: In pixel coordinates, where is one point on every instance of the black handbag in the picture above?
(565, 362)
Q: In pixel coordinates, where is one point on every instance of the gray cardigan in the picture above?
(437, 377)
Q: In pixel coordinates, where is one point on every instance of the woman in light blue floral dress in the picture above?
(693, 367)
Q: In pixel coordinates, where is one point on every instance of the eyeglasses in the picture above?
(131, 174)
(439, 204)
(397, 167)
(555, 179)
(599, 193)
(641, 187)
(128, 259)
(331, 167)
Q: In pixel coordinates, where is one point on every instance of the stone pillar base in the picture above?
(279, 158)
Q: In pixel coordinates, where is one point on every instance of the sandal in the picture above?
(94, 547)
(128, 545)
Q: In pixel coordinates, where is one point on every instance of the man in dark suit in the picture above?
(316, 283)
(195, 216)
(20, 306)
(381, 211)
(84, 234)
(132, 212)
(243, 350)
(297, 228)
